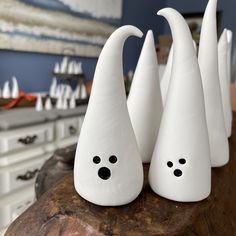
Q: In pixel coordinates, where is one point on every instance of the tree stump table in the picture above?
(61, 211)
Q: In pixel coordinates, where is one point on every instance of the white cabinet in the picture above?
(19, 175)
(14, 140)
(24, 150)
(13, 205)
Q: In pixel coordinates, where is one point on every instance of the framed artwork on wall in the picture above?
(71, 27)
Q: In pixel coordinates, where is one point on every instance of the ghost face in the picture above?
(104, 172)
(177, 172)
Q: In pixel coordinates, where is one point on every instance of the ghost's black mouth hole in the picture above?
(104, 173)
(178, 173)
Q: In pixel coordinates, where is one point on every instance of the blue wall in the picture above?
(34, 71)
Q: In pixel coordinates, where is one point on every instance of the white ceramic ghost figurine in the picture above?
(224, 82)
(72, 103)
(83, 92)
(165, 80)
(208, 62)
(48, 104)
(108, 168)
(229, 51)
(53, 88)
(6, 92)
(59, 103)
(64, 103)
(68, 91)
(71, 67)
(39, 103)
(145, 102)
(57, 68)
(180, 169)
(15, 88)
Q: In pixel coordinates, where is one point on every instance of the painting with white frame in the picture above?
(72, 27)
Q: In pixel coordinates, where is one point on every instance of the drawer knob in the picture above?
(28, 175)
(72, 130)
(28, 139)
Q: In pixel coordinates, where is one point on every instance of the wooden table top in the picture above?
(61, 211)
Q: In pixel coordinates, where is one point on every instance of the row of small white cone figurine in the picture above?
(182, 139)
(62, 103)
(68, 67)
(7, 92)
(58, 90)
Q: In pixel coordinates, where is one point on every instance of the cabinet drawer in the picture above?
(19, 175)
(67, 128)
(15, 204)
(25, 137)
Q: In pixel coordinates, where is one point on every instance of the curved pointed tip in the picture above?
(163, 11)
(132, 30)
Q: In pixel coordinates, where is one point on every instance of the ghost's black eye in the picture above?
(182, 161)
(96, 159)
(113, 159)
(169, 164)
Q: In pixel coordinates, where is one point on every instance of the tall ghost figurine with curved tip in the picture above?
(229, 51)
(15, 88)
(224, 81)
(108, 167)
(180, 169)
(208, 62)
(165, 80)
(144, 101)
(6, 92)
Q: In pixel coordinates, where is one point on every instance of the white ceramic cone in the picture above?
(48, 104)
(229, 52)
(59, 103)
(15, 88)
(64, 65)
(165, 80)
(53, 88)
(208, 62)
(57, 68)
(108, 168)
(224, 82)
(39, 103)
(64, 103)
(68, 91)
(77, 91)
(144, 101)
(71, 67)
(6, 92)
(72, 102)
(180, 169)
(83, 92)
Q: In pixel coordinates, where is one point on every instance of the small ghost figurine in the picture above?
(57, 68)
(68, 91)
(72, 103)
(224, 81)
(108, 168)
(48, 104)
(39, 103)
(71, 67)
(180, 168)
(15, 88)
(53, 88)
(64, 103)
(144, 101)
(6, 92)
(208, 62)
(59, 103)
(229, 51)
(83, 91)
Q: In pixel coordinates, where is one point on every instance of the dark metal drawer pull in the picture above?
(28, 175)
(72, 130)
(28, 139)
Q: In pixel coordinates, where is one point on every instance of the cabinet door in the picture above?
(11, 206)
(19, 175)
(28, 137)
(67, 128)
